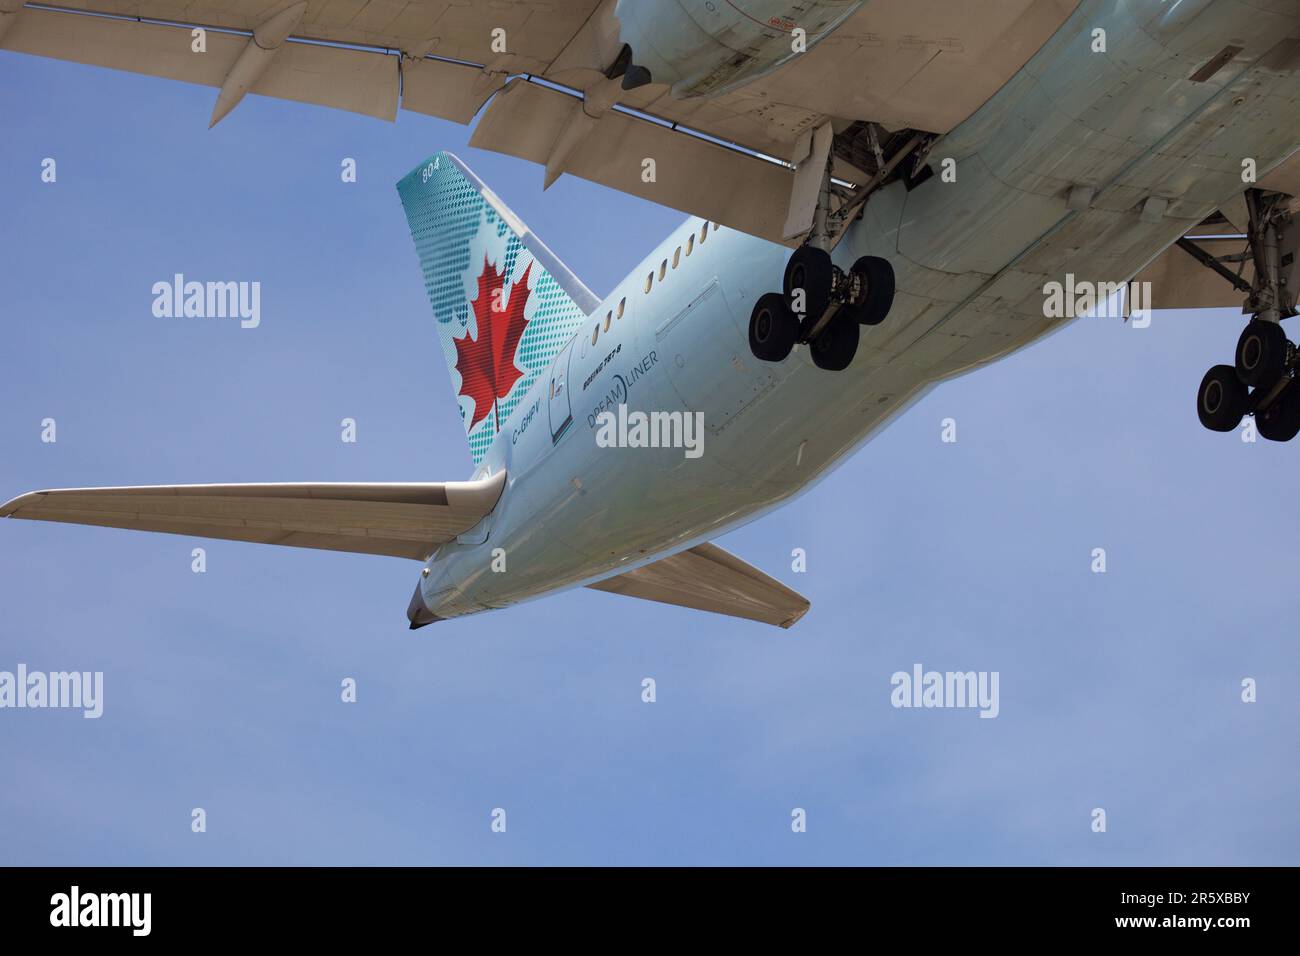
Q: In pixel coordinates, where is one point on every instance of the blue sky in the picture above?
(222, 689)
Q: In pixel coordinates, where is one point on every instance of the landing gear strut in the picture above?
(1262, 381)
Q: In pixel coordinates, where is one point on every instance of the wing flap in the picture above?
(450, 91)
(708, 578)
(693, 175)
(538, 30)
(355, 80)
(1178, 281)
(404, 520)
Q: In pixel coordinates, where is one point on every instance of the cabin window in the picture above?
(677, 257)
(704, 232)
(690, 243)
(663, 270)
(621, 302)
(649, 281)
(594, 333)
(608, 317)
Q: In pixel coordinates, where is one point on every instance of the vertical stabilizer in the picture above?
(504, 305)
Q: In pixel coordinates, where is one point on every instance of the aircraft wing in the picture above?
(708, 578)
(882, 75)
(403, 520)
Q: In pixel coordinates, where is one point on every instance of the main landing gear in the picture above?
(1262, 381)
(821, 306)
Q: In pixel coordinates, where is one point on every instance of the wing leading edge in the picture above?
(708, 578)
(401, 520)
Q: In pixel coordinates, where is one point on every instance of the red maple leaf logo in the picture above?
(487, 365)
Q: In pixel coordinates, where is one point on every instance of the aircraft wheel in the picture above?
(773, 328)
(835, 347)
(877, 297)
(1281, 420)
(1261, 354)
(1221, 399)
(808, 277)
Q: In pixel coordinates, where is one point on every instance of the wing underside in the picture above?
(401, 520)
(546, 69)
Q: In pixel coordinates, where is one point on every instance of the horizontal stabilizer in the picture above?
(403, 520)
(707, 578)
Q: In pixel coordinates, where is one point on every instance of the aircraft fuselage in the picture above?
(972, 249)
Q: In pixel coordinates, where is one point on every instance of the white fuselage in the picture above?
(970, 255)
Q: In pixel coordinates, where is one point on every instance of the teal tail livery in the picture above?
(503, 303)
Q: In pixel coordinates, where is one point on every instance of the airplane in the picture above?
(874, 207)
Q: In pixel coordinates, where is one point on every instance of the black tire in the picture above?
(835, 346)
(877, 290)
(773, 328)
(1221, 399)
(1261, 354)
(811, 270)
(1281, 420)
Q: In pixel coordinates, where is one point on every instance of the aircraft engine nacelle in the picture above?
(708, 47)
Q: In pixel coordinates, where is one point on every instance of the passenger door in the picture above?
(561, 412)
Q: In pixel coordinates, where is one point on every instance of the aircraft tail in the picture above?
(503, 303)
